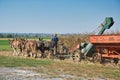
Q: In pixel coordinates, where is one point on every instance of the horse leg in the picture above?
(27, 53)
(43, 54)
(35, 55)
(14, 51)
(31, 54)
(20, 51)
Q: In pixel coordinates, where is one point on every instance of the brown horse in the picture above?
(30, 47)
(17, 45)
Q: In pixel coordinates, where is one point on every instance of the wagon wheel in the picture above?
(96, 57)
(116, 60)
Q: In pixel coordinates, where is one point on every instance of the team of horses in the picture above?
(32, 48)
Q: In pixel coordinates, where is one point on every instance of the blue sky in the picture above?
(57, 16)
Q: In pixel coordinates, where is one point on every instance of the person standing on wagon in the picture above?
(55, 42)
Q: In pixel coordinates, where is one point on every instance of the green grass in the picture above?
(4, 45)
(7, 61)
(55, 68)
(4, 42)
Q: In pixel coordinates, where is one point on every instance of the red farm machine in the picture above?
(102, 47)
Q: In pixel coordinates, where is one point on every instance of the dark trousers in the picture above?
(54, 44)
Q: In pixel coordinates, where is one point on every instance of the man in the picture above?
(55, 43)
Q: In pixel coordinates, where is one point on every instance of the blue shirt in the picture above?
(55, 39)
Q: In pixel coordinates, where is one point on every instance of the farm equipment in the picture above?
(62, 52)
(102, 46)
(107, 47)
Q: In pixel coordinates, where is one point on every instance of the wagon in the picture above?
(62, 52)
(107, 47)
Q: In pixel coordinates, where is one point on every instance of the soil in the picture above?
(22, 74)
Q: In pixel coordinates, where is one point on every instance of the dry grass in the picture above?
(88, 71)
(72, 41)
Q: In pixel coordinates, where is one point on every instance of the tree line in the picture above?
(24, 35)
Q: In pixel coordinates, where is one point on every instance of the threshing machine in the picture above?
(103, 46)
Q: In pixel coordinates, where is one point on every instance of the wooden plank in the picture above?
(104, 39)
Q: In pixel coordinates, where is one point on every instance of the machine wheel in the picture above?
(76, 56)
(102, 61)
(96, 57)
(116, 60)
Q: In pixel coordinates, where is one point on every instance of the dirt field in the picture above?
(60, 70)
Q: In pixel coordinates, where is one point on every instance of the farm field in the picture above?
(22, 68)
(59, 40)
(4, 45)
(53, 69)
